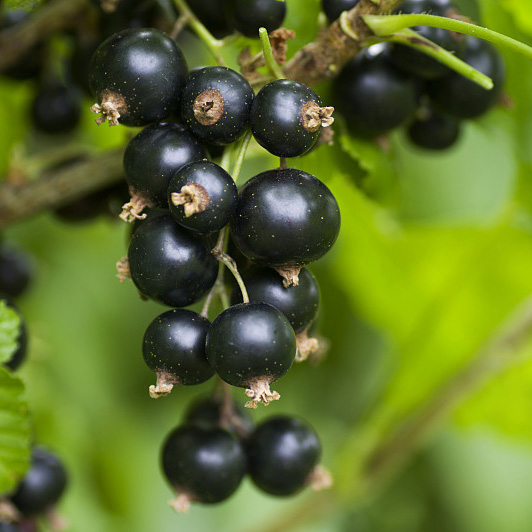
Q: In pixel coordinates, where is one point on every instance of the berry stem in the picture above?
(213, 44)
(242, 148)
(272, 65)
(386, 25)
(418, 42)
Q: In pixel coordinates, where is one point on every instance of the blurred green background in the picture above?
(435, 253)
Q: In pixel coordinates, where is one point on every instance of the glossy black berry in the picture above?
(373, 96)
(174, 348)
(282, 454)
(202, 197)
(42, 486)
(202, 464)
(251, 345)
(434, 131)
(286, 118)
(169, 264)
(155, 154)
(285, 218)
(15, 272)
(137, 76)
(20, 353)
(56, 109)
(299, 303)
(216, 104)
(247, 16)
(213, 17)
(333, 8)
(462, 98)
(416, 62)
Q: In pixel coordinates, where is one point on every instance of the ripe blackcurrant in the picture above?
(213, 17)
(216, 103)
(42, 486)
(333, 8)
(460, 97)
(248, 16)
(202, 464)
(22, 339)
(285, 219)
(416, 62)
(286, 118)
(282, 453)
(373, 96)
(435, 131)
(154, 155)
(15, 272)
(251, 345)
(169, 264)
(174, 348)
(56, 109)
(202, 197)
(137, 76)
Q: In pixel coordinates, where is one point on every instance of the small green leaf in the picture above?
(9, 331)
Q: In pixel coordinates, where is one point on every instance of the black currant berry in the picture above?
(373, 96)
(42, 486)
(137, 76)
(216, 104)
(333, 8)
(154, 155)
(56, 109)
(202, 197)
(20, 353)
(434, 131)
(248, 16)
(212, 16)
(298, 303)
(285, 219)
(174, 348)
(202, 464)
(283, 453)
(460, 97)
(251, 345)
(287, 117)
(212, 412)
(416, 62)
(15, 272)
(169, 264)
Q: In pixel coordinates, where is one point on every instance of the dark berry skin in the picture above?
(373, 96)
(333, 8)
(248, 16)
(285, 217)
(416, 62)
(169, 264)
(282, 452)
(155, 154)
(174, 342)
(42, 486)
(56, 109)
(19, 355)
(277, 118)
(299, 303)
(15, 272)
(216, 103)
(205, 463)
(212, 16)
(462, 98)
(130, 64)
(251, 341)
(215, 186)
(436, 131)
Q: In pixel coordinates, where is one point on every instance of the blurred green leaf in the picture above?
(9, 330)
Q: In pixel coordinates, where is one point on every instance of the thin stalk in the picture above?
(389, 24)
(272, 65)
(244, 143)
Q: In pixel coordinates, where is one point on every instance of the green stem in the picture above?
(213, 44)
(272, 65)
(388, 24)
(244, 143)
(418, 42)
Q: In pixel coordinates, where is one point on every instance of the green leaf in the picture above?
(9, 331)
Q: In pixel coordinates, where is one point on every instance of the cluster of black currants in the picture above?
(389, 86)
(186, 211)
(206, 457)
